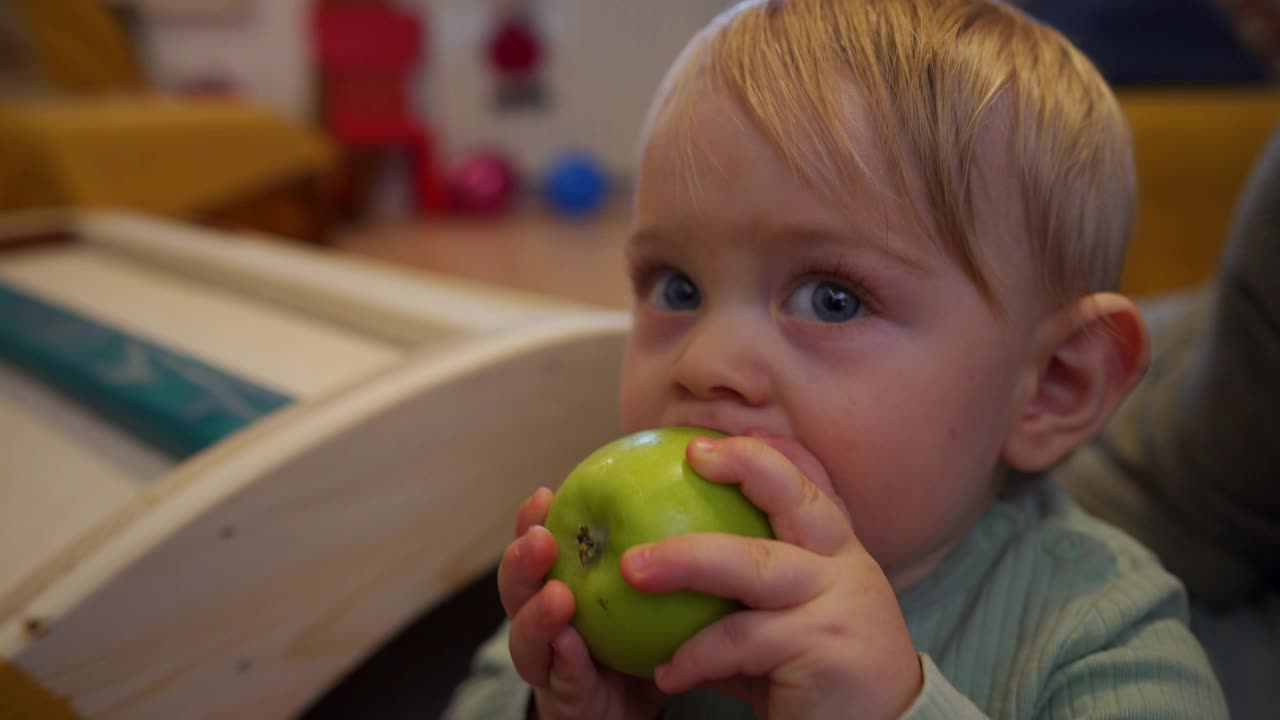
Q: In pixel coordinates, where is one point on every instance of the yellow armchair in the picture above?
(97, 137)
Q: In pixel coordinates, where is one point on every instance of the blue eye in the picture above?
(824, 301)
(674, 291)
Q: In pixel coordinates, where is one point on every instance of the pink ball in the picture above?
(481, 183)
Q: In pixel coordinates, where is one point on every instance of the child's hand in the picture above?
(822, 635)
(547, 652)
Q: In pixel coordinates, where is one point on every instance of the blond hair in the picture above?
(933, 73)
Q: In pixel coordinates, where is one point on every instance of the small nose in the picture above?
(724, 359)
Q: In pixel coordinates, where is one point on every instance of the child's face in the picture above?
(762, 305)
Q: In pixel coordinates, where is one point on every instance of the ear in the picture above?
(1089, 356)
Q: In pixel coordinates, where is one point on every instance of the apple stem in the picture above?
(588, 546)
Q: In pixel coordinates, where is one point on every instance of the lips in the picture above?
(723, 419)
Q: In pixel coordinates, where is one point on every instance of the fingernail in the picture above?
(660, 673)
(639, 557)
(704, 445)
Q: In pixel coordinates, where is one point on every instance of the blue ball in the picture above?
(575, 185)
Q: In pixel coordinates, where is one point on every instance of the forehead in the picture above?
(705, 160)
(703, 124)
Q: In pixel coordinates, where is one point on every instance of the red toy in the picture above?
(367, 56)
(482, 183)
(515, 50)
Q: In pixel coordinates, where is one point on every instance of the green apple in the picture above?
(637, 490)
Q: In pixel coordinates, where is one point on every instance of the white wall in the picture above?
(264, 50)
(605, 58)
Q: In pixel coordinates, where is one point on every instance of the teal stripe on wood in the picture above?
(167, 399)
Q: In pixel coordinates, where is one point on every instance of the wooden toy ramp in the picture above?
(230, 468)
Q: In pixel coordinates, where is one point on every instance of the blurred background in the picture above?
(495, 138)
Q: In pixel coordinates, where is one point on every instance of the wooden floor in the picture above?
(531, 250)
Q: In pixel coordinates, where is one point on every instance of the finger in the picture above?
(761, 574)
(535, 626)
(805, 462)
(525, 564)
(798, 510)
(572, 673)
(747, 643)
(533, 511)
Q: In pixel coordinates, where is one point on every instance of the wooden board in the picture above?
(245, 581)
(66, 462)
(63, 464)
(280, 348)
(255, 576)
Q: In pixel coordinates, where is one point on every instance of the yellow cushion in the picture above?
(167, 155)
(1195, 148)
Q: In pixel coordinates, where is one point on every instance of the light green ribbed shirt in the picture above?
(1041, 612)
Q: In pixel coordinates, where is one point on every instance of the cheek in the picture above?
(912, 452)
(961, 418)
(641, 392)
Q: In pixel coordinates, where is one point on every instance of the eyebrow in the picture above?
(643, 241)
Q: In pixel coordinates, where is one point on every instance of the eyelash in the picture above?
(841, 273)
(645, 273)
